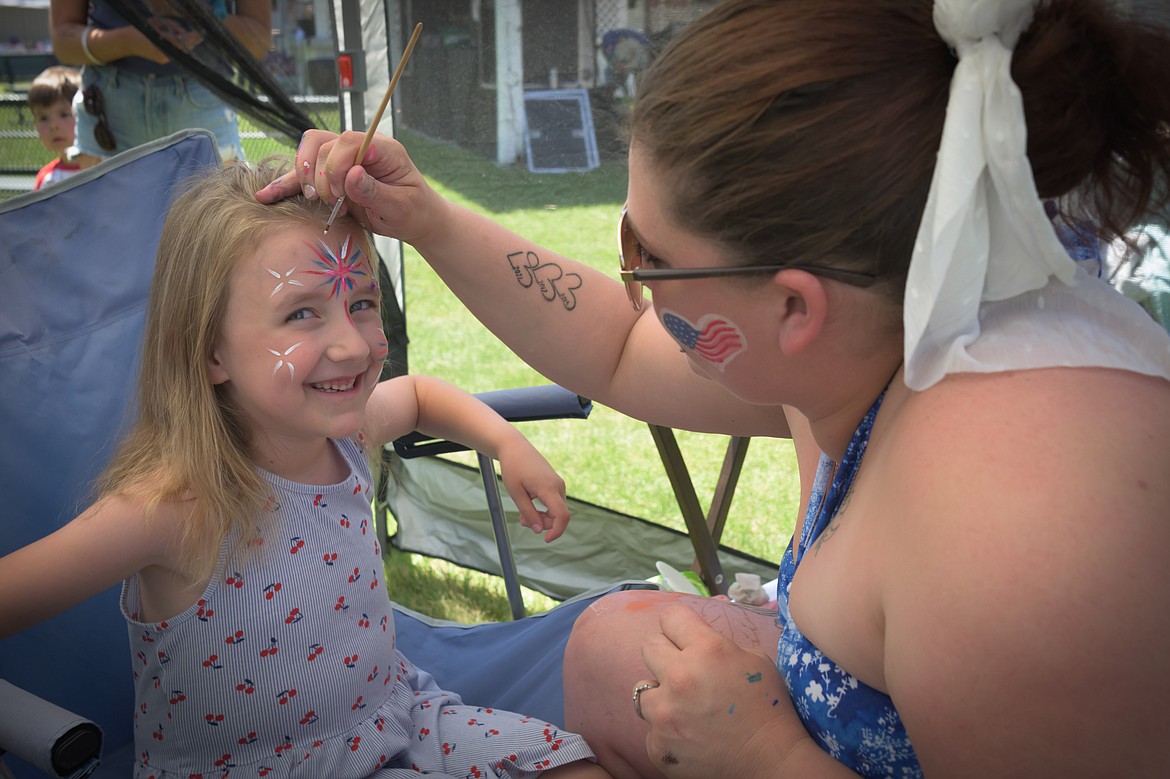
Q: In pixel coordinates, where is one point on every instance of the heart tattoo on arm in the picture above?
(548, 277)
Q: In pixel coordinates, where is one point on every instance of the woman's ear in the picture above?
(216, 369)
(802, 310)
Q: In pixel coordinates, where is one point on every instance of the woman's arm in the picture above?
(252, 25)
(69, 20)
(1027, 587)
(565, 319)
(66, 23)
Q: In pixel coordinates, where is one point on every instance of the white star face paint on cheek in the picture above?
(282, 360)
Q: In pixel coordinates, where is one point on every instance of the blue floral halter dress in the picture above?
(850, 720)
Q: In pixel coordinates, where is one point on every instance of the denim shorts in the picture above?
(142, 107)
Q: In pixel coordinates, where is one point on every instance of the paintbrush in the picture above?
(378, 116)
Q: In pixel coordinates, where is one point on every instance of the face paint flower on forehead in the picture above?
(340, 269)
(284, 279)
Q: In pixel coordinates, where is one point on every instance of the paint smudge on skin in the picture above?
(732, 709)
(284, 279)
(600, 608)
(637, 605)
(714, 338)
(340, 269)
(753, 678)
(282, 360)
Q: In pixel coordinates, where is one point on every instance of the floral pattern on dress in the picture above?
(850, 720)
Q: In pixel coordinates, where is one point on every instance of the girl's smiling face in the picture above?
(301, 347)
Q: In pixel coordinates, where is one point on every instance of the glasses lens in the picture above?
(103, 136)
(630, 257)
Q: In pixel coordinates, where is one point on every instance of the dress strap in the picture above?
(824, 503)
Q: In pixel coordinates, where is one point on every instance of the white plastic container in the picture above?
(747, 589)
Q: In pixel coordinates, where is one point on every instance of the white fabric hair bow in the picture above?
(984, 235)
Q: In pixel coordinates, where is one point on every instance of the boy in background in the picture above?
(50, 98)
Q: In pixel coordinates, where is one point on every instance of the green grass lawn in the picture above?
(609, 459)
(21, 153)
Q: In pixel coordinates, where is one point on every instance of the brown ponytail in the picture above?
(1096, 86)
(800, 131)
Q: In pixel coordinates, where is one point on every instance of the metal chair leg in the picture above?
(704, 531)
(487, 470)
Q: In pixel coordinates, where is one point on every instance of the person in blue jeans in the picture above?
(132, 92)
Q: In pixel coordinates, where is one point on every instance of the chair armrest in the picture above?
(523, 404)
(46, 736)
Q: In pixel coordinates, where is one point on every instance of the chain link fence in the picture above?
(22, 155)
(625, 37)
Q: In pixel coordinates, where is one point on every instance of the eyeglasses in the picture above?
(91, 98)
(631, 255)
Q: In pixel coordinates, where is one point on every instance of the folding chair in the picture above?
(76, 270)
(704, 530)
(76, 262)
(525, 404)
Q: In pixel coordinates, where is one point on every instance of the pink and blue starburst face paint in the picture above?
(714, 338)
(341, 269)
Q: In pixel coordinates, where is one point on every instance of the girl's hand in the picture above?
(385, 193)
(719, 709)
(528, 476)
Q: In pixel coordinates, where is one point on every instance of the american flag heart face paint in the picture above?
(714, 338)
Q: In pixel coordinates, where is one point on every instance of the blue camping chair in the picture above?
(75, 274)
(75, 268)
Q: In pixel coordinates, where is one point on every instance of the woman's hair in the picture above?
(52, 84)
(807, 130)
(189, 442)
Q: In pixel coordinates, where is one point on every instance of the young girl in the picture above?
(237, 512)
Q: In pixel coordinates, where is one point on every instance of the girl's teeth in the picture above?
(334, 387)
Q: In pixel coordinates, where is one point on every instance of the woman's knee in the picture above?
(616, 625)
(609, 635)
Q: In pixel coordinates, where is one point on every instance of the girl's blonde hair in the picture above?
(189, 442)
